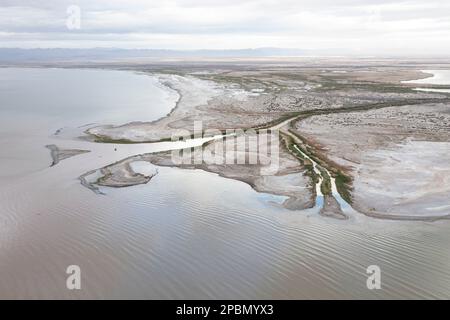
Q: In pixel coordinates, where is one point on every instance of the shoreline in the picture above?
(275, 123)
(425, 73)
(105, 139)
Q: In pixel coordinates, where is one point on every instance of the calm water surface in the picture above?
(439, 77)
(186, 234)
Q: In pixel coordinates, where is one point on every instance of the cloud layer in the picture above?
(382, 27)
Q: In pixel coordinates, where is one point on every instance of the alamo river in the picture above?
(195, 232)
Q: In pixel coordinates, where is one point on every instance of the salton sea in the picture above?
(187, 233)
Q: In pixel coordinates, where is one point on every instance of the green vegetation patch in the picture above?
(343, 185)
(326, 184)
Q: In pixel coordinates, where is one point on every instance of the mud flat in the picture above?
(332, 209)
(284, 176)
(59, 154)
(117, 175)
(345, 113)
(409, 179)
(398, 158)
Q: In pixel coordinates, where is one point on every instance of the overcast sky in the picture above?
(355, 26)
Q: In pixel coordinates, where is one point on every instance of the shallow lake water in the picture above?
(439, 77)
(187, 233)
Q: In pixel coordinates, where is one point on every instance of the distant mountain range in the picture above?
(44, 55)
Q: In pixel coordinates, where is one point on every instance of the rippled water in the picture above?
(190, 234)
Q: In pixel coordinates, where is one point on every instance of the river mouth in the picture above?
(188, 234)
(343, 205)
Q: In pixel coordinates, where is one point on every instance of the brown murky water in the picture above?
(187, 234)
